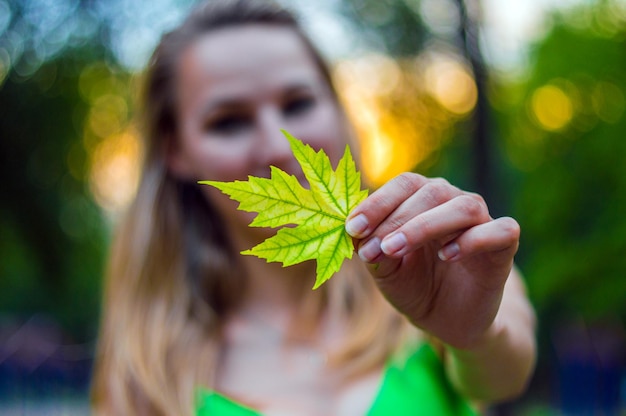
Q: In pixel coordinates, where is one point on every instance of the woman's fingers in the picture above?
(393, 205)
(439, 224)
(498, 236)
(411, 211)
(367, 216)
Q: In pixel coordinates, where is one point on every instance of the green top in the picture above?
(415, 386)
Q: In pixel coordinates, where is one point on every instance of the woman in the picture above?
(191, 325)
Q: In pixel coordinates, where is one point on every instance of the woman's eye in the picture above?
(228, 124)
(298, 106)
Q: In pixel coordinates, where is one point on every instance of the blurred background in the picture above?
(521, 101)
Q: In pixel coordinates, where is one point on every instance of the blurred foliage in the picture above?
(564, 136)
(53, 235)
(394, 27)
(555, 141)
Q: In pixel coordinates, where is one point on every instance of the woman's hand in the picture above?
(437, 255)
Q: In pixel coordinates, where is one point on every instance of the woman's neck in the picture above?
(273, 293)
(275, 286)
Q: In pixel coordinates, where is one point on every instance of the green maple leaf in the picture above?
(318, 213)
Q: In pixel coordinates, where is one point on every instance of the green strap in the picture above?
(214, 404)
(418, 386)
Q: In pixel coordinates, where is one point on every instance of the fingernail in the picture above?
(393, 243)
(448, 252)
(370, 250)
(356, 226)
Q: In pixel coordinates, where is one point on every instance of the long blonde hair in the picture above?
(173, 277)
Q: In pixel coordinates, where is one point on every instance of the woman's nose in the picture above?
(273, 145)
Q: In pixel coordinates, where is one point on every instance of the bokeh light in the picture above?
(110, 141)
(552, 107)
(114, 173)
(108, 115)
(403, 109)
(452, 85)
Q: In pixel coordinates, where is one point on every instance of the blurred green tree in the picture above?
(53, 236)
(554, 150)
(565, 136)
(553, 158)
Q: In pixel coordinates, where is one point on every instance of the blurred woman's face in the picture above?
(236, 88)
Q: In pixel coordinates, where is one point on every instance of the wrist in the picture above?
(494, 335)
(496, 367)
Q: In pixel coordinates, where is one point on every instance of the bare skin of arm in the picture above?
(441, 260)
(500, 366)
